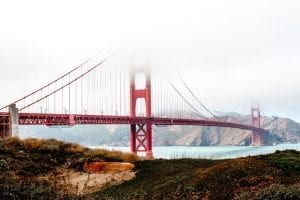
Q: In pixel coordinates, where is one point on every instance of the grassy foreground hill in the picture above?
(24, 162)
(274, 176)
(33, 169)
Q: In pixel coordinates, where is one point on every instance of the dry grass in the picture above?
(75, 148)
(12, 142)
(32, 143)
(52, 145)
(32, 157)
(111, 155)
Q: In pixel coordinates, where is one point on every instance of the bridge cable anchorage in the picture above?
(67, 84)
(59, 78)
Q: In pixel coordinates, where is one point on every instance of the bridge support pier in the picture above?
(256, 138)
(14, 120)
(141, 134)
(141, 139)
(9, 122)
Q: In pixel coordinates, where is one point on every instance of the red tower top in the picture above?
(256, 122)
(140, 93)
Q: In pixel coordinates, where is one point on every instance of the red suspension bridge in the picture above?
(112, 88)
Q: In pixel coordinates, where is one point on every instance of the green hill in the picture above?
(274, 176)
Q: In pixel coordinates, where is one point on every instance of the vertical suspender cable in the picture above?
(81, 92)
(62, 97)
(76, 94)
(69, 94)
(120, 84)
(106, 89)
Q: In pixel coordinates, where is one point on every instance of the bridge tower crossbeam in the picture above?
(140, 134)
(256, 136)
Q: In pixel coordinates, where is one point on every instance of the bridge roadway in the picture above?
(77, 119)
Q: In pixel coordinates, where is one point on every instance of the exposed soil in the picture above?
(82, 183)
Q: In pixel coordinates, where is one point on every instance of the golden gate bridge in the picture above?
(110, 88)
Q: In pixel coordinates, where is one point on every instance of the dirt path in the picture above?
(84, 183)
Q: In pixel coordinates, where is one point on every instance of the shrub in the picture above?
(3, 165)
(293, 192)
(130, 157)
(12, 142)
(100, 155)
(112, 156)
(73, 148)
(288, 161)
(23, 189)
(275, 192)
(31, 143)
(51, 145)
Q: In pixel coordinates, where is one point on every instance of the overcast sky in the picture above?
(232, 53)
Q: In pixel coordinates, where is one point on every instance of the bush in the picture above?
(12, 142)
(111, 156)
(19, 189)
(293, 192)
(31, 143)
(288, 161)
(275, 192)
(130, 157)
(3, 165)
(51, 145)
(73, 148)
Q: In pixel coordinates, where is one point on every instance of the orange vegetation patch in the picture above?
(107, 167)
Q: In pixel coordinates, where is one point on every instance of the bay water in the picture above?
(209, 152)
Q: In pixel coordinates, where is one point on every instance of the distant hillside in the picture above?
(280, 130)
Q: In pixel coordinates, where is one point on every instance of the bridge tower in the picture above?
(141, 134)
(256, 122)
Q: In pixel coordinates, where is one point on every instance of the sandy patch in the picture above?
(83, 183)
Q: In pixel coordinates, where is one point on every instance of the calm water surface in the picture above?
(210, 152)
